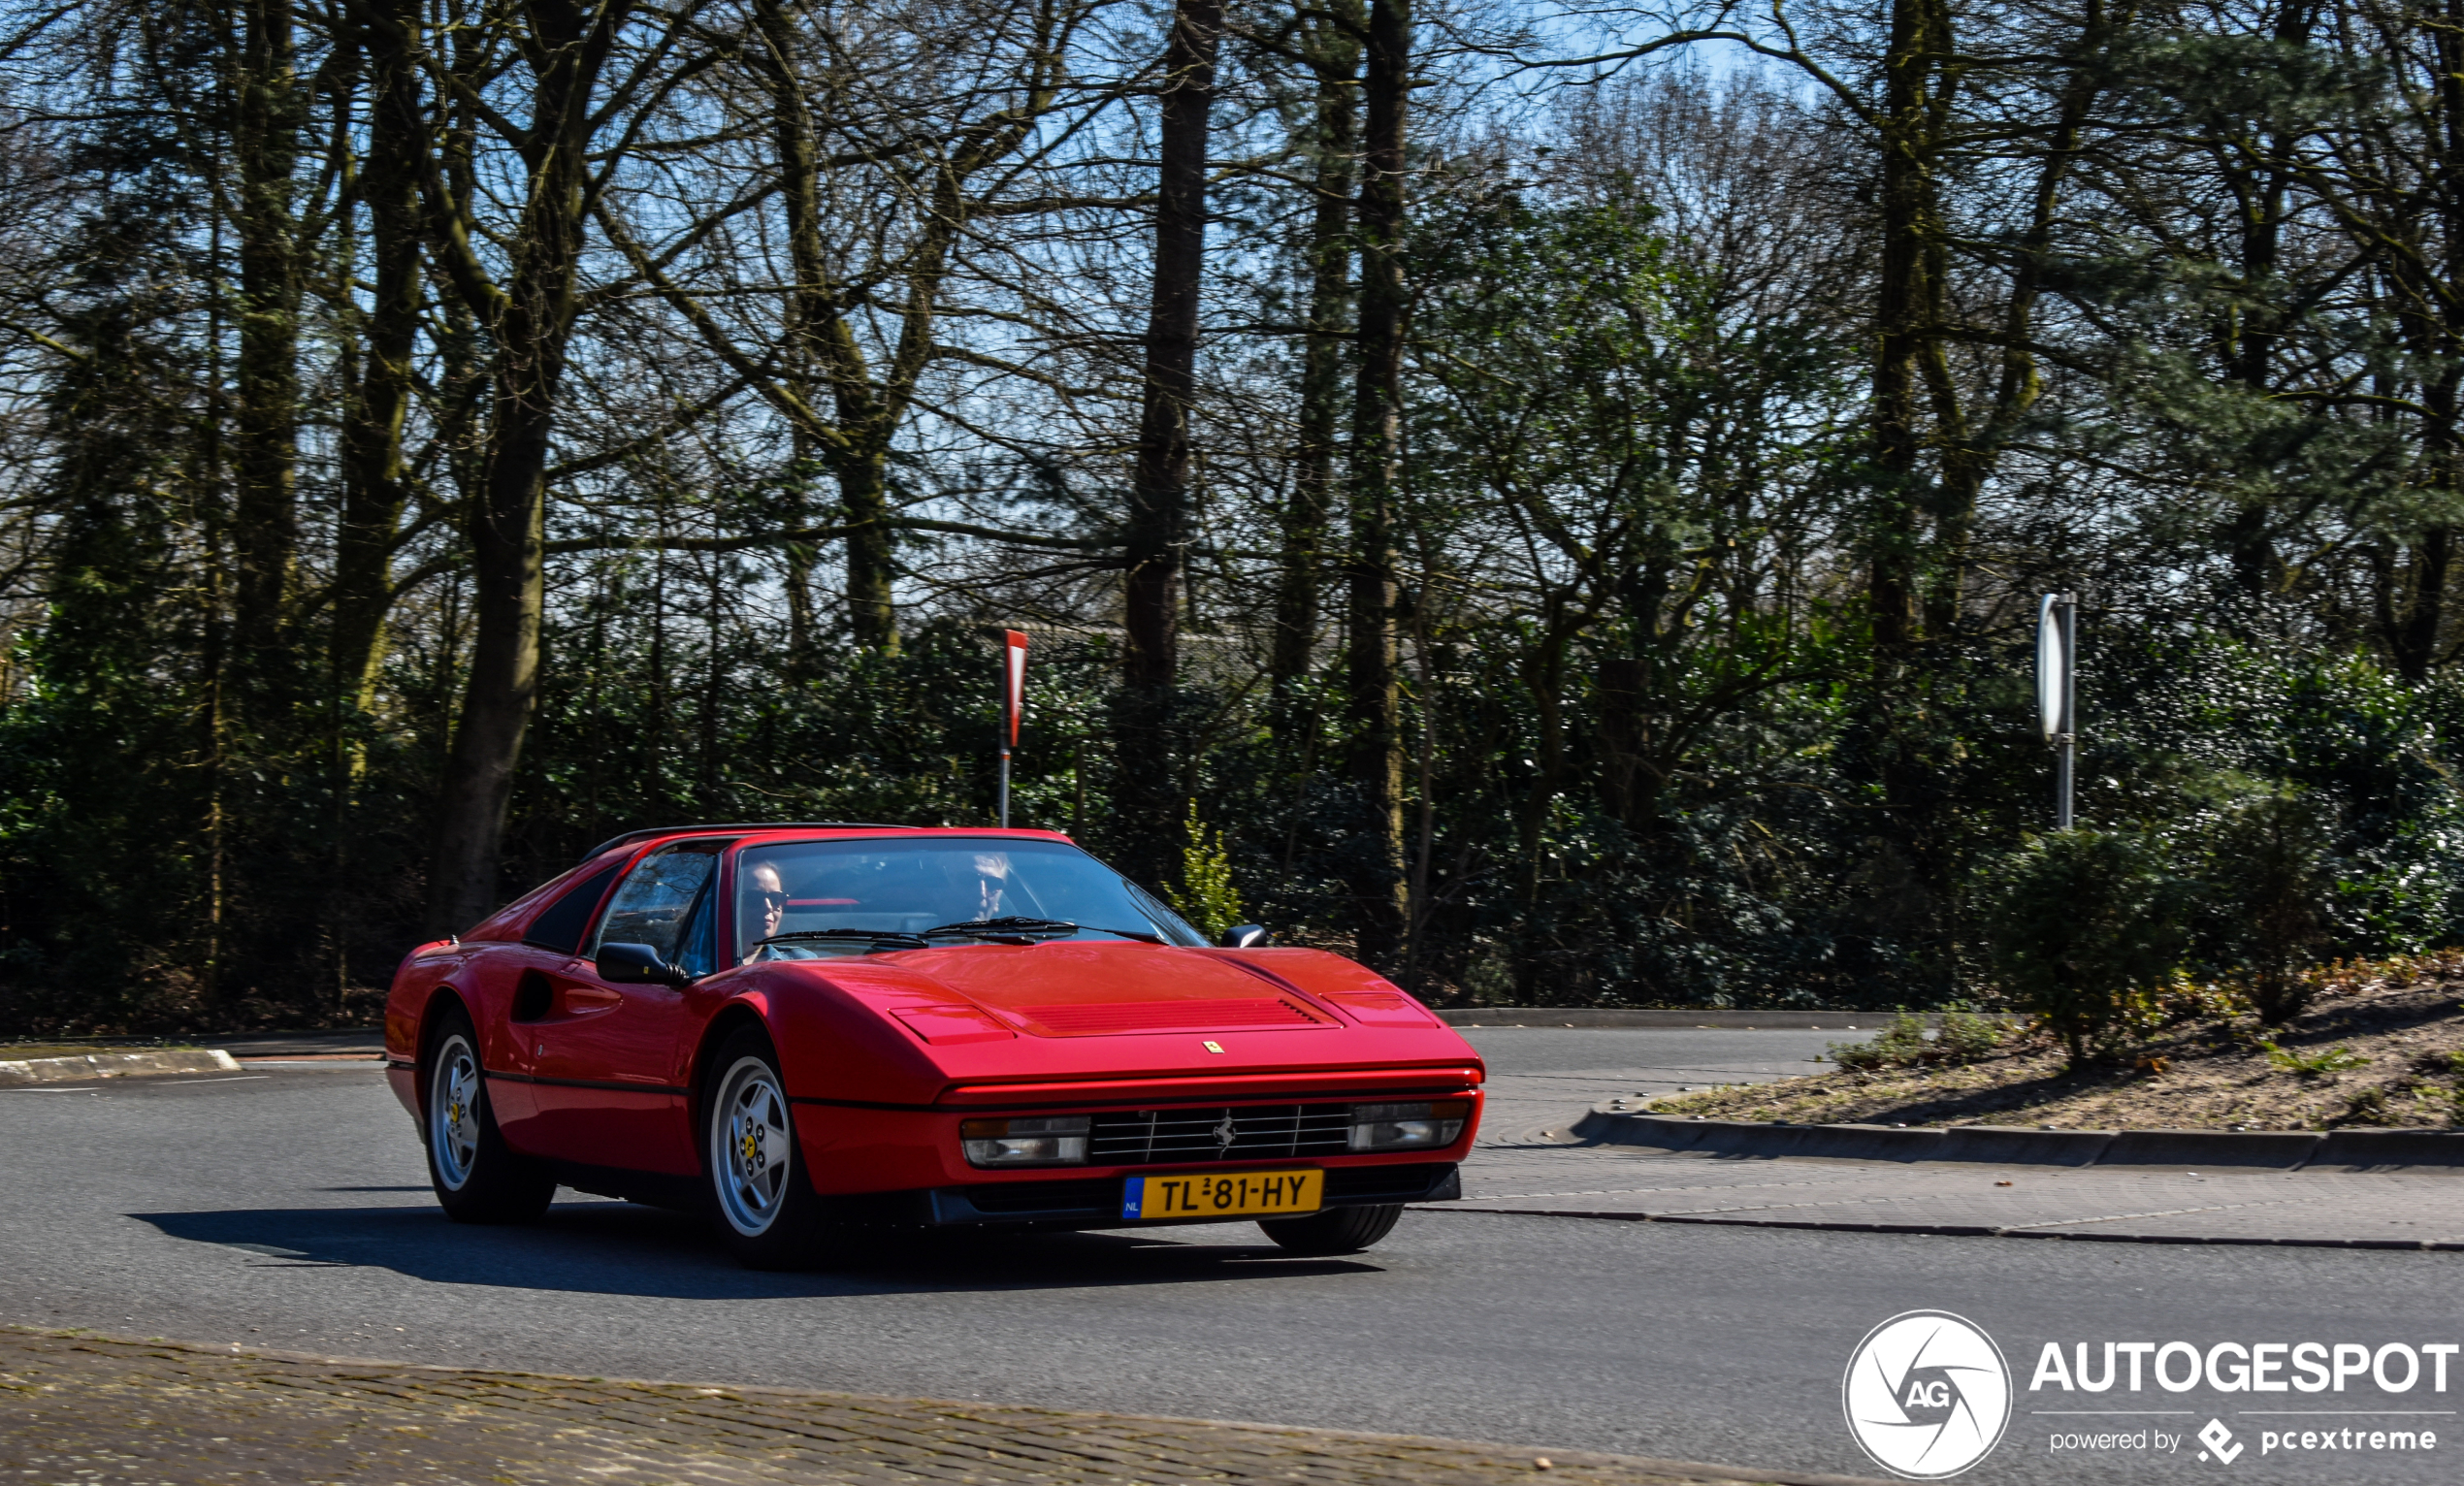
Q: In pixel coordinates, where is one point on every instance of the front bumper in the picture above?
(1094, 1201)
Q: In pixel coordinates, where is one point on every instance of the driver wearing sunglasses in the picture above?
(760, 903)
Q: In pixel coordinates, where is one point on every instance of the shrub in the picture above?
(2270, 876)
(1964, 1037)
(1206, 897)
(1961, 1038)
(1900, 1045)
(2075, 920)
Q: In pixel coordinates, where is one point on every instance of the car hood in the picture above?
(1097, 988)
(1068, 1020)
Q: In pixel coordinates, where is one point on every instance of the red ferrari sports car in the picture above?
(808, 1028)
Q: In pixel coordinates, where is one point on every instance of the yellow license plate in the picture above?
(1222, 1194)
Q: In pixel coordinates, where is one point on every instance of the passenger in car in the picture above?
(760, 903)
(992, 881)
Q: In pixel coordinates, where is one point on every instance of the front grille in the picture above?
(1143, 1137)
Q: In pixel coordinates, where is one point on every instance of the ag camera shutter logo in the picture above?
(1927, 1393)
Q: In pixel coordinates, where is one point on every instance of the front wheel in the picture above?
(478, 1177)
(770, 1217)
(1335, 1231)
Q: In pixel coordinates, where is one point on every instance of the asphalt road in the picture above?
(1544, 1079)
(288, 1209)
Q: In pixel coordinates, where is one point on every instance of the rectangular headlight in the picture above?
(1408, 1126)
(1043, 1140)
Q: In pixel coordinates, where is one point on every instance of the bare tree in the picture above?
(593, 75)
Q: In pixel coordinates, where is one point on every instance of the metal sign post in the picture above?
(1013, 701)
(2058, 692)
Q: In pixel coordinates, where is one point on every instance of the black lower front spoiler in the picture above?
(1094, 1201)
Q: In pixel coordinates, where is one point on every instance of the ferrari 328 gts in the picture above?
(807, 1029)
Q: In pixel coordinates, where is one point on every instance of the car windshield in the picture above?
(826, 897)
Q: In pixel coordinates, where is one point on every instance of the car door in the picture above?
(606, 1082)
(521, 993)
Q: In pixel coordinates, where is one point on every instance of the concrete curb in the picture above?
(1956, 1230)
(2357, 1150)
(1683, 1018)
(114, 1065)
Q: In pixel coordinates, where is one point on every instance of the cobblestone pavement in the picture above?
(2127, 1204)
(82, 1410)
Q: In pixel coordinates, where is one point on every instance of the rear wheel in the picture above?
(767, 1210)
(478, 1177)
(1335, 1231)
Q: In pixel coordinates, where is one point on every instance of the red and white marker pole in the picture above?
(1013, 700)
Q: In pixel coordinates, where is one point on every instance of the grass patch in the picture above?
(2311, 1065)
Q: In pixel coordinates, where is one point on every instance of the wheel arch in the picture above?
(731, 1018)
(432, 1018)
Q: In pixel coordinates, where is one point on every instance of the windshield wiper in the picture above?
(1019, 930)
(891, 937)
(1010, 928)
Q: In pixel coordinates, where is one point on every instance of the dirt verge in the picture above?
(2381, 1045)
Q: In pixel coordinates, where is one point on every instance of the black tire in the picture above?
(769, 1215)
(478, 1177)
(1335, 1231)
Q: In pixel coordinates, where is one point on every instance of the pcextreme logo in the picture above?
(1927, 1393)
(2372, 1416)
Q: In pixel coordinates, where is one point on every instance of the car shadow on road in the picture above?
(621, 1248)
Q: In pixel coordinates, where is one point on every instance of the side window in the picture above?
(560, 925)
(657, 897)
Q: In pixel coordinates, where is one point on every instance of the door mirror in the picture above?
(1248, 936)
(636, 964)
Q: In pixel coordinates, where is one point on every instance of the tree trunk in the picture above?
(372, 435)
(2419, 642)
(269, 110)
(506, 533)
(1624, 683)
(713, 691)
(1903, 532)
(1334, 53)
(1543, 671)
(863, 488)
(2419, 638)
(809, 311)
(1371, 682)
(1157, 528)
(2252, 332)
(507, 528)
(1895, 534)
(821, 347)
(803, 631)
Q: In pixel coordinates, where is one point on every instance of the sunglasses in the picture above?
(771, 899)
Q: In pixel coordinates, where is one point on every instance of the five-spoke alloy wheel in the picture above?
(763, 1196)
(478, 1179)
(751, 1148)
(453, 1112)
